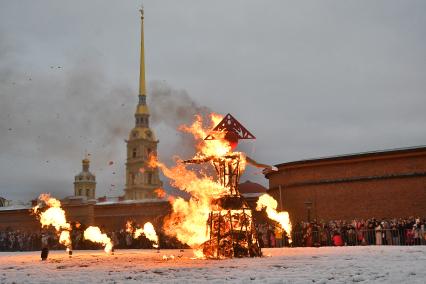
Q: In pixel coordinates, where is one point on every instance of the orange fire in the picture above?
(208, 148)
(268, 202)
(95, 235)
(188, 219)
(148, 231)
(54, 216)
(187, 222)
(161, 193)
(65, 239)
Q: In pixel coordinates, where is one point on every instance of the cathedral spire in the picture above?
(141, 180)
(142, 111)
(142, 87)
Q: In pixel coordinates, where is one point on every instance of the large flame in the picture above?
(268, 202)
(150, 234)
(188, 218)
(148, 231)
(54, 216)
(218, 147)
(65, 239)
(95, 235)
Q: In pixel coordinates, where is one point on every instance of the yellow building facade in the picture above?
(85, 182)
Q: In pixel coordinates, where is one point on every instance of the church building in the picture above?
(85, 182)
(141, 180)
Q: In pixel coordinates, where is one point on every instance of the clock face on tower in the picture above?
(135, 134)
(148, 133)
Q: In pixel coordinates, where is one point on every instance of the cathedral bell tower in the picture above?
(85, 182)
(141, 180)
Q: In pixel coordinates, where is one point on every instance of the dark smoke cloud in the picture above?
(171, 108)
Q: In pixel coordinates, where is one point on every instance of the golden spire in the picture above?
(142, 108)
(142, 87)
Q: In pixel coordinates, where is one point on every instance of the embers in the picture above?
(230, 202)
(232, 234)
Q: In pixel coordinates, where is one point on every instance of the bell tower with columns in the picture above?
(141, 180)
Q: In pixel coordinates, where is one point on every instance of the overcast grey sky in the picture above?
(307, 78)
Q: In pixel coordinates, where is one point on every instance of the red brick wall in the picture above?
(18, 220)
(111, 217)
(83, 213)
(386, 184)
(115, 216)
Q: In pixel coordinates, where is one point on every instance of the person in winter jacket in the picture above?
(337, 239)
(44, 246)
(378, 230)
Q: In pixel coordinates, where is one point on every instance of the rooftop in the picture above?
(249, 187)
(356, 155)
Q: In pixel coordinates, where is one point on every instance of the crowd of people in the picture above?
(398, 231)
(11, 240)
(19, 240)
(408, 231)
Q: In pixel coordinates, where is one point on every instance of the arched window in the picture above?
(134, 152)
(149, 178)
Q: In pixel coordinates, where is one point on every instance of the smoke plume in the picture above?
(51, 117)
(171, 108)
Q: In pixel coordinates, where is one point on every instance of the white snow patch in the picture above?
(287, 265)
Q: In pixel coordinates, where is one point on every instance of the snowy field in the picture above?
(287, 265)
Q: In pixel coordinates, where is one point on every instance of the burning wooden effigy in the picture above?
(230, 224)
(214, 219)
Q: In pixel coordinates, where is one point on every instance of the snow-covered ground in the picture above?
(288, 265)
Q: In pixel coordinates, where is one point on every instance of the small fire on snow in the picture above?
(95, 235)
(148, 231)
(268, 202)
(54, 216)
